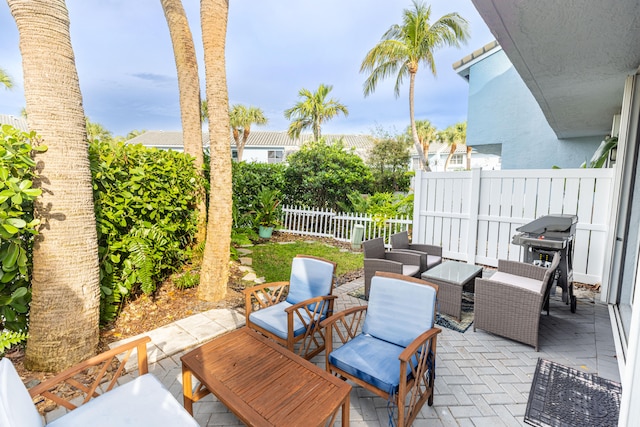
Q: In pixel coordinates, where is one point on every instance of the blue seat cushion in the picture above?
(372, 360)
(274, 320)
(309, 278)
(399, 311)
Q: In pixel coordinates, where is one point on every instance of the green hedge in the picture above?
(145, 212)
(17, 228)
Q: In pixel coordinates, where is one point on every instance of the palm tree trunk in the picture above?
(64, 317)
(189, 87)
(414, 130)
(453, 149)
(215, 264)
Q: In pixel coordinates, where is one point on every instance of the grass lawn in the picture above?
(273, 260)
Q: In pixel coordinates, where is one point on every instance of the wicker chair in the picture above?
(389, 346)
(290, 312)
(377, 258)
(431, 254)
(510, 302)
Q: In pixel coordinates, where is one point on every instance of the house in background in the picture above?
(16, 122)
(505, 119)
(580, 62)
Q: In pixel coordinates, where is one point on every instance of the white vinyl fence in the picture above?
(327, 223)
(474, 215)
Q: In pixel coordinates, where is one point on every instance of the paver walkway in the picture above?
(481, 379)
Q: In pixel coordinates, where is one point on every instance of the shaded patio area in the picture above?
(481, 379)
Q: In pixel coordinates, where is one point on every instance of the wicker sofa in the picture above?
(431, 255)
(510, 302)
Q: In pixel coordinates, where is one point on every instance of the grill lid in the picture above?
(553, 224)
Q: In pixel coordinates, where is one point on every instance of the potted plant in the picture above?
(267, 211)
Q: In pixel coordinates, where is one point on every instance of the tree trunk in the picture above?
(189, 87)
(64, 318)
(414, 130)
(215, 264)
(453, 149)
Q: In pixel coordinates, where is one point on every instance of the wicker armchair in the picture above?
(510, 302)
(377, 258)
(431, 254)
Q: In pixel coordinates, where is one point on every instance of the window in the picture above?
(457, 160)
(275, 156)
(234, 155)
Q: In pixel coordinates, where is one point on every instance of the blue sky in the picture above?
(274, 48)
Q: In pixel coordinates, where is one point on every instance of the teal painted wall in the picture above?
(503, 111)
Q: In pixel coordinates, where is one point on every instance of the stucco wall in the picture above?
(503, 111)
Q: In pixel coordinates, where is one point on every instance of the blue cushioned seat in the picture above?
(298, 305)
(396, 347)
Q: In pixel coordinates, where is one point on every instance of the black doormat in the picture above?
(563, 396)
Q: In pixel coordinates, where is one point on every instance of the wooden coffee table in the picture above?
(263, 383)
(452, 277)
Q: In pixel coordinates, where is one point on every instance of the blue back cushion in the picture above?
(399, 311)
(309, 278)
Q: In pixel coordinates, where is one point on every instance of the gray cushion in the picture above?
(410, 270)
(519, 281)
(433, 260)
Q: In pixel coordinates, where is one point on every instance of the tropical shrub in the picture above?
(249, 179)
(323, 175)
(389, 160)
(17, 229)
(145, 213)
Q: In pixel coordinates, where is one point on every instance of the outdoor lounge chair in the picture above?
(377, 258)
(100, 401)
(509, 303)
(394, 355)
(290, 312)
(432, 253)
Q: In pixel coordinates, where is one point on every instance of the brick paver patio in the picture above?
(481, 379)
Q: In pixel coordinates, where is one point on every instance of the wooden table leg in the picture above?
(345, 412)
(187, 389)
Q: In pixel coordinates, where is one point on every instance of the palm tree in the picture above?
(313, 110)
(404, 47)
(5, 79)
(215, 263)
(64, 316)
(189, 88)
(453, 136)
(241, 118)
(427, 133)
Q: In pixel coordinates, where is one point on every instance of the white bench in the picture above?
(141, 402)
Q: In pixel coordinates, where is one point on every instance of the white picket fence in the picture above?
(474, 215)
(338, 225)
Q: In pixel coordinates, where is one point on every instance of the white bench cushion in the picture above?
(519, 281)
(140, 403)
(16, 406)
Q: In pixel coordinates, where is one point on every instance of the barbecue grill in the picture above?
(542, 238)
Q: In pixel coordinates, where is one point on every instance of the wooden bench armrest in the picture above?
(103, 362)
(266, 294)
(412, 349)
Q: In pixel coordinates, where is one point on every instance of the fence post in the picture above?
(417, 232)
(474, 206)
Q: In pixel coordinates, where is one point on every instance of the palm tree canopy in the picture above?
(404, 47)
(312, 111)
(427, 132)
(241, 118)
(5, 79)
(454, 134)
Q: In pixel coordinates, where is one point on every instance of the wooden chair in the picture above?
(377, 258)
(389, 346)
(431, 254)
(290, 312)
(509, 303)
(143, 401)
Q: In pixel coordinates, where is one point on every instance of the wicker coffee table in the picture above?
(452, 277)
(263, 383)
